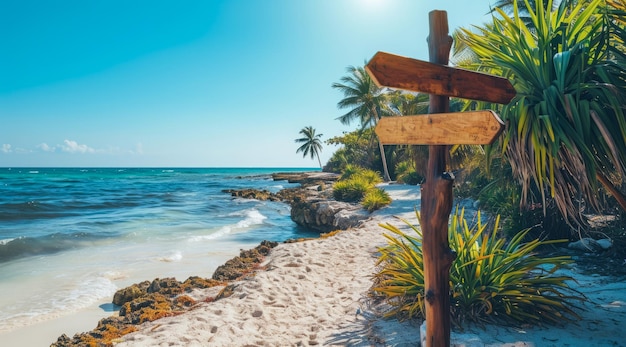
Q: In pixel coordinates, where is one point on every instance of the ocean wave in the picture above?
(30, 210)
(18, 209)
(88, 292)
(172, 257)
(82, 294)
(113, 275)
(5, 241)
(251, 217)
(49, 244)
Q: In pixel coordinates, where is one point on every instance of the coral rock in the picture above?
(587, 244)
(127, 294)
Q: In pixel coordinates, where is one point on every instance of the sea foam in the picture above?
(74, 297)
(251, 217)
(172, 257)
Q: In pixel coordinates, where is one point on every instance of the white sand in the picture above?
(309, 294)
(315, 293)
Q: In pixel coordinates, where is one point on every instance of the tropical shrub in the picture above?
(566, 127)
(375, 198)
(370, 176)
(405, 173)
(355, 148)
(350, 190)
(359, 185)
(491, 280)
(350, 170)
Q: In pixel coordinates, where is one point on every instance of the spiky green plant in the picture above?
(491, 280)
(566, 128)
(351, 190)
(359, 185)
(405, 173)
(350, 170)
(375, 198)
(370, 176)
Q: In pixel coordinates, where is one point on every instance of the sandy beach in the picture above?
(315, 293)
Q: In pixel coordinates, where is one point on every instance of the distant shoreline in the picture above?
(304, 169)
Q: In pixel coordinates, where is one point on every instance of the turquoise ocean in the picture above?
(70, 237)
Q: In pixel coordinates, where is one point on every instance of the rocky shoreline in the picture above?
(312, 206)
(309, 294)
(164, 297)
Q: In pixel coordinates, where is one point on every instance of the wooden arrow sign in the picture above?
(462, 128)
(394, 71)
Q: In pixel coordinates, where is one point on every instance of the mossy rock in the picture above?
(242, 265)
(147, 309)
(200, 283)
(165, 286)
(130, 293)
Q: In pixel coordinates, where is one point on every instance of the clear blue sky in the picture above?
(191, 83)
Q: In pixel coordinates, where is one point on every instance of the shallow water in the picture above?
(69, 238)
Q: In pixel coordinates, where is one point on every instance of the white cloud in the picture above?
(44, 147)
(6, 148)
(74, 147)
(139, 148)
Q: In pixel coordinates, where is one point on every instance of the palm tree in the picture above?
(311, 143)
(566, 127)
(367, 103)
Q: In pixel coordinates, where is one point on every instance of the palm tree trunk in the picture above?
(383, 157)
(386, 176)
(319, 161)
(619, 197)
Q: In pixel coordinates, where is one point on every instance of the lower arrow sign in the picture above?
(461, 128)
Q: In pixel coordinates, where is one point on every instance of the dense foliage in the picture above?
(375, 199)
(565, 138)
(366, 103)
(566, 127)
(359, 185)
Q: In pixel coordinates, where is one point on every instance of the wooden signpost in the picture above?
(438, 129)
(461, 128)
(399, 72)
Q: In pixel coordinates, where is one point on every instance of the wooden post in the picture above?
(438, 131)
(436, 206)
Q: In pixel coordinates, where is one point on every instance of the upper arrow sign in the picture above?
(394, 71)
(462, 128)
